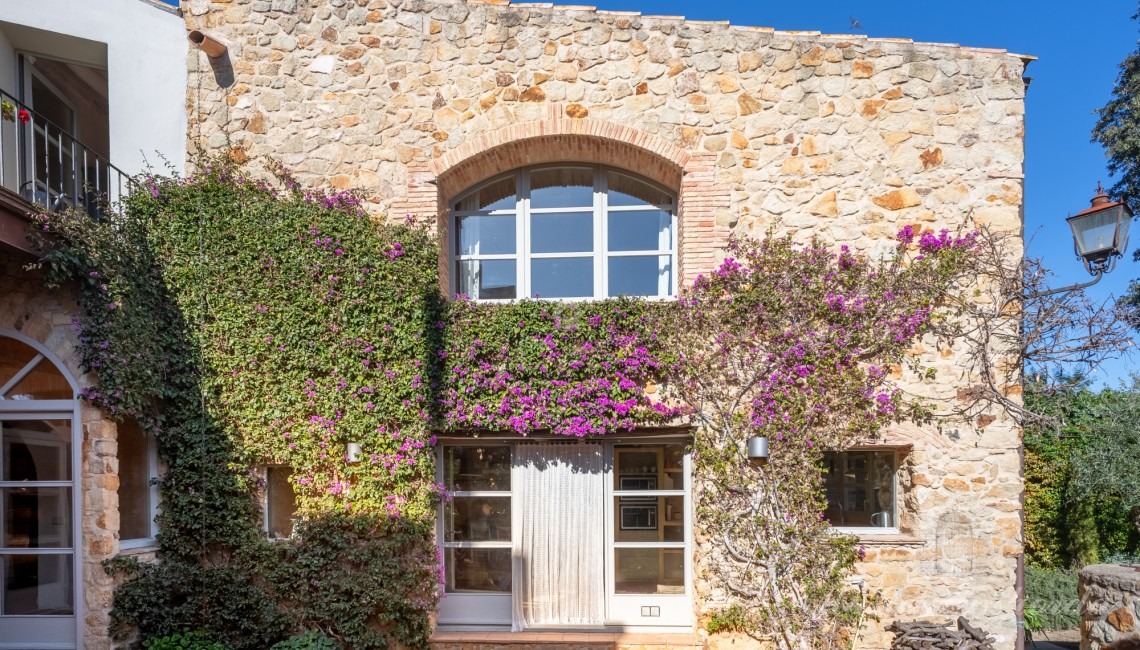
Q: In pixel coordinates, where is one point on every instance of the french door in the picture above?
(38, 530)
(553, 535)
(41, 583)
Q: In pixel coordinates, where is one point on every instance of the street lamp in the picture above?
(1100, 237)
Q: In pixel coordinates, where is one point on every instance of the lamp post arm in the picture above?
(1098, 273)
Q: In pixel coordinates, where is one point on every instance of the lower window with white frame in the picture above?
(553, 534)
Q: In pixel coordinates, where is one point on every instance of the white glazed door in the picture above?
(38, 531)
(648, 572)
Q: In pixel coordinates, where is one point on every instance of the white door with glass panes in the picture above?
(556, 534)
(39, 501)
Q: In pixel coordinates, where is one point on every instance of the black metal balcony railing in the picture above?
(47, 166)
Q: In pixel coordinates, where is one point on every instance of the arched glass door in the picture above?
(39, 501)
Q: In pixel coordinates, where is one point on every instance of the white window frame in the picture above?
(870, 531)
(152, 506)
(492, 610)
(600, 253)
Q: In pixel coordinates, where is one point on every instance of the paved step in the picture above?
(564, 641)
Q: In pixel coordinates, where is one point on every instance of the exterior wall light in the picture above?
(353, 452)
(1100, 233)
(1100, 237)
(758, 450)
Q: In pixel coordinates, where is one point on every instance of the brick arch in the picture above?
(692, 174)
(559, 140)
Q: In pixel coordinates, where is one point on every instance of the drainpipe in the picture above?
(208, 44)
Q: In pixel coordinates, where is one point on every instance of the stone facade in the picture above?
(1110, 606)
(842, 138)
(44, 316)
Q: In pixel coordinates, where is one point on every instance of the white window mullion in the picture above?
(601, 235)
(522, 242)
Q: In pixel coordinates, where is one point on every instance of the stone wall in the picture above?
(26, 307)
(1110, 606)
(842, 137)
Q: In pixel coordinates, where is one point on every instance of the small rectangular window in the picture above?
(138, 495)
(861, 487)
(280, 502)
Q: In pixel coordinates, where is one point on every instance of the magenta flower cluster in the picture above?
(573, 374)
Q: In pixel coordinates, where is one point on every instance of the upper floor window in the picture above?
(569, 232)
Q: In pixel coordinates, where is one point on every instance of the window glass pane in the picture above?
(45, 381)
(649, 467)
(487, 279)
(624, 191)
(563, 187)
(469, 469)
(485, 235)
(37, 585)
(134, 482)
(640, 231)
(499, 195)
(649, 519)
(281, 502)
(641, 276)
(649, 570)
(14, 355)
(36, 450)
(477, 519)
(478, 569)
(562, 233)
(571, 277)
(37, 517)
(860, 488)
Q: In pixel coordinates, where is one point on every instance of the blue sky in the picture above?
(1079, 46)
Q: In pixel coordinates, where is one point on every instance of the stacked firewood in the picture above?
(920, 635)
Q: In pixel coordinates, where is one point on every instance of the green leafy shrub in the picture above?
(729, 619)
(1051, 596)
(309, 640)
(184, 640)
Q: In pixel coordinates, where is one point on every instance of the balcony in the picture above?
(43, 166)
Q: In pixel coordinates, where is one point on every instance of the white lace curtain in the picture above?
(558, 557)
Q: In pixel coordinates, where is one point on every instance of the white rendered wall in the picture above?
(146, 51)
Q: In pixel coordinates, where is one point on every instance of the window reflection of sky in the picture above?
(562, 233)
(637, 276)
(486, 235)
(639, 231)
(562, 277)
(562, 188)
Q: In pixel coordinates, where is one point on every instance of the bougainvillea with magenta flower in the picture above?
(796, 343)
(573, 369)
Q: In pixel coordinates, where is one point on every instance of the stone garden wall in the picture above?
(1110, 606)
(841, 137)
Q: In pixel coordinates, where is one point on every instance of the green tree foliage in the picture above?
(1080, 487)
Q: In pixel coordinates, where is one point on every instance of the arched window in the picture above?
(565, 232)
